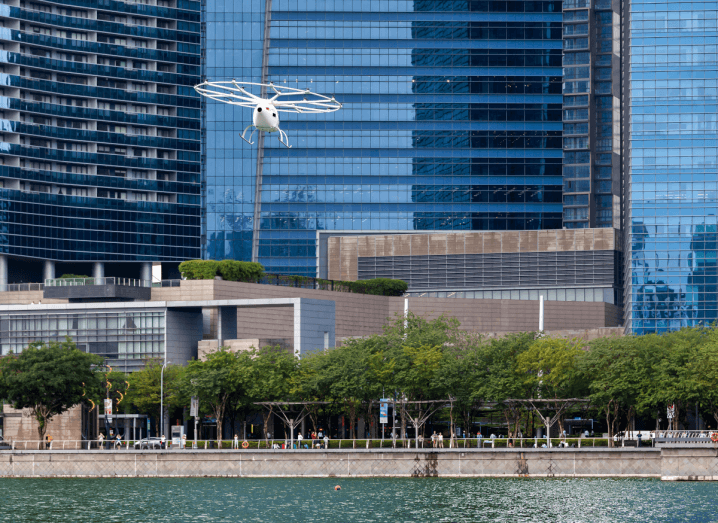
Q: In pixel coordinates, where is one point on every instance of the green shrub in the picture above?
(199, 269)
(72, 276)
(380, 287)
(233, 270)
(230, 270)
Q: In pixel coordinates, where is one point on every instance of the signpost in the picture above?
(194, 411)
(383, 414)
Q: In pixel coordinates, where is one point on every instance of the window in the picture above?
(72, 35)
(140, 109)
(142, 131)
(140, 43)
(111, 106)
(35, 187)
(111, 193)
(35, 165)
(138, 86)
(141, 196)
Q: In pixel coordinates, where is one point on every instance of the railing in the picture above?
(17, 287)
(166, 283)
(692, 438)
(79, 282)
(318, 444)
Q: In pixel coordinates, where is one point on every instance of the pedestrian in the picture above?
(326, 442)
(48, 441)
(511, 442)
(441, 439)
(118, 441)
(100, 438)
(321, 433)
(433, 439)
(184, 441)
(235, 443)
(163, 440)
(299, 440)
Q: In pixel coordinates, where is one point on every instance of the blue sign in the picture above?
(384, 410)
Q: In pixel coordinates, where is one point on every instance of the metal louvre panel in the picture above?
(462, 271)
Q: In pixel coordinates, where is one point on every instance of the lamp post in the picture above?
(162, 398)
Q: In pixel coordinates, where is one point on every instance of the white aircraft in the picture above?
(265, 115)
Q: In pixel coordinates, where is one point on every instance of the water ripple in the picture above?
(436, 500)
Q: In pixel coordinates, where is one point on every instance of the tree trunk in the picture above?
(43, 417)
(265, 419)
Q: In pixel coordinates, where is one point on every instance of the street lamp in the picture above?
(162, 397)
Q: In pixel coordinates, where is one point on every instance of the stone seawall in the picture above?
(667, 464)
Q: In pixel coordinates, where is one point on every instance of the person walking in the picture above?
(48, 442)
(100, 438)
(299, 440)
(163, 440)
(235, 443)
(433, 439)
(441, 439)
(326, 441)
(184, 441)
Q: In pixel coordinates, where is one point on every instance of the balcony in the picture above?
(98, 289)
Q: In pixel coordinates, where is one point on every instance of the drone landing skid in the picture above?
(284, 142)
(250, 142)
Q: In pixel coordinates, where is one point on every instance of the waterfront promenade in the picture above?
(663, 463)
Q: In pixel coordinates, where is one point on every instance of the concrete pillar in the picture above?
(227, 324)
(48, 272)
(146, 271)
(98, 270)
(3, 271)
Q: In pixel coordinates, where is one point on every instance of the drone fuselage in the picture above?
(266, 117)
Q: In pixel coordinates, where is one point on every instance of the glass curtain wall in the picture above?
(673, 155)
(100, 152)
(451, 121)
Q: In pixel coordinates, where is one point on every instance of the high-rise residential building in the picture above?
(452, 121)
(592, 113)
(671, 164)
(100, 157)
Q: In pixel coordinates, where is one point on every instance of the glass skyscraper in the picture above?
(672, 165)
(100, 153)
(452, 121)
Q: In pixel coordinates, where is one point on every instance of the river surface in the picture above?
(431, 500)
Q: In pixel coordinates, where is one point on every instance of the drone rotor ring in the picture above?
(235, 93)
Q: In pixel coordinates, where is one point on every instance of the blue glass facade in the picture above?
(451, 121)
(670, 199)
(100, 131)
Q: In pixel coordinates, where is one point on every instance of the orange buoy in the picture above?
(337, 487)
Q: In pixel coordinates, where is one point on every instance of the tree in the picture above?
(499, 377)
(216, 381)
(146, 384)
(49, 379)
(617, 372)
(549, 366)
(272, 372)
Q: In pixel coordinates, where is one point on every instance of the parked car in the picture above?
(149, 443)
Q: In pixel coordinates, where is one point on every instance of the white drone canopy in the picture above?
(280, 99)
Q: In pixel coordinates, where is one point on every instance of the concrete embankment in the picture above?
(666, 464)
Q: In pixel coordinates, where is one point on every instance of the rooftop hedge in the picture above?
(232, 270)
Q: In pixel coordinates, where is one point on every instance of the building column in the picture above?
(49, 271)
(98, 270)
(146, 271)
(3, 272)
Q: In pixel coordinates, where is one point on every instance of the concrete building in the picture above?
(561, 265)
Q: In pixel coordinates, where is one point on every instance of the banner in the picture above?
(384, 410)
(194, 407)
(108, 409)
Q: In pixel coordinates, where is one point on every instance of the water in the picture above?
(434, 500)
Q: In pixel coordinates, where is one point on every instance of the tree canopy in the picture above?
(49, 379)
